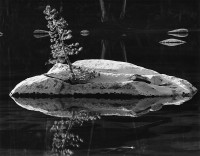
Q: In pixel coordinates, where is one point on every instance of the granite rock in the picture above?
(108, 78)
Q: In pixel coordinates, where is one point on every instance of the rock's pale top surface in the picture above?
(114, 67)
(108, 77)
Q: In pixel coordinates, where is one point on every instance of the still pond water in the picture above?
(89, 126)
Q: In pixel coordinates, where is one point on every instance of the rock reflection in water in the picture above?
(62, 107)
(62, 139)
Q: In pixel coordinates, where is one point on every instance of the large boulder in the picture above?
(104, 77)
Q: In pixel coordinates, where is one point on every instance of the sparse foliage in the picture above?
(59, 34)
(63, 139)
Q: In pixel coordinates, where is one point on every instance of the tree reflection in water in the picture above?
(64, 140)
(108, 48)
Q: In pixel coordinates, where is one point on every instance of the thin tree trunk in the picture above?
(103, 53)
(123, 10)
(123, 50)
(91, 136)
(103, 11)
(61, 6)
(70, 66)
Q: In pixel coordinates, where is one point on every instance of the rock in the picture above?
(65, 107)
(104, 77)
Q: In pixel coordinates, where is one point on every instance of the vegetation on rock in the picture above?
(59, 33)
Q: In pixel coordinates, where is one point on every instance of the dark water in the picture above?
(165, 130)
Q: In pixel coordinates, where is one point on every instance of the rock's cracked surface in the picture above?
(108, 77)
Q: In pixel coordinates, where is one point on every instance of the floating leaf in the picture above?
(172, 42)
(179, 32)
(119, 149)
(123, 148)
(182, 30)
(1, 34)
(179, 35)
(37, 31)
(84, 32)
(40, 33)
